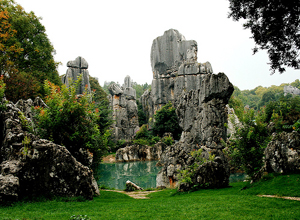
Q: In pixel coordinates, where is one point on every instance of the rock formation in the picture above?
(137, 153)
(282, 153)
(76, 68)
(125, 111)
(175, 70)
(291, 90)
(30, 166)
(200, 99)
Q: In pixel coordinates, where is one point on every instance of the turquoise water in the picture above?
(142, 173)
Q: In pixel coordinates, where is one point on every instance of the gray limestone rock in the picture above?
(40, 167)
(125, 111)
(76, 68)
(282, 153)
(9, 188)
(200, 99)
(169, 51)
(138, 153)
(291, 90)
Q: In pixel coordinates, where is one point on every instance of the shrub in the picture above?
(71, 120)
(246, 148)
(2, 94)
(166, 120)
(168, 140)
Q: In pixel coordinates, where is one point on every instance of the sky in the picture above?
(115, 38)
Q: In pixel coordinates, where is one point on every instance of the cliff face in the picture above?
(200, 99)
(175, 70)
(125, 111)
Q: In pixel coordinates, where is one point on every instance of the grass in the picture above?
(226, 203)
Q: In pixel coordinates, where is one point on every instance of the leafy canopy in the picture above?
(27, 54)
(274, 26)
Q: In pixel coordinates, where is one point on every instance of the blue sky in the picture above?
(115, 37)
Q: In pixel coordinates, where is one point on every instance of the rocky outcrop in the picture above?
(76, 68)
(125, 111)
(138, 153)
(282, 153)
(200, 99)
(291, 90)
(175, 70)
(30, 166)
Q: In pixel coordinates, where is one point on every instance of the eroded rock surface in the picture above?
(282, 153)
(30, 166)
(75, 69)
(125, 111)
(137, 152)
(200, 99)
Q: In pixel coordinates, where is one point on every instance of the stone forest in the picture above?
(33, 165)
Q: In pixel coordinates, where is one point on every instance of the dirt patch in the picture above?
(281, 197)
(109, 159)
(134, 194)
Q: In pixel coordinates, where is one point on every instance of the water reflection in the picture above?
(142, 173)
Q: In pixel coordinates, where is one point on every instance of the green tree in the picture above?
(99, 94)
(36, 56)
(274, 26)
(166, 120)
(8, 48)
(249, 141)
(296, 83)
(72, 121)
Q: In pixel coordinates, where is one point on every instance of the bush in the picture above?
(168, 140)
(71, 120)
(166, 120)
(2, 94)
(246, 147)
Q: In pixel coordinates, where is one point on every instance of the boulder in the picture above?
(30, 166)
(76, 68)
(282, 153)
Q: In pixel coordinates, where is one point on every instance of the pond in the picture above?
(142, 173)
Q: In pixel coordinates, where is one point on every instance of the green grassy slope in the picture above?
(227, 203)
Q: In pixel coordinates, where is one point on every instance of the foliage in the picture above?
(8, 48)
(274, 26)
(249, 140)
(141, 141)
(284, 112)
(168, 140)
(141, 114)
(186, 175)
(28, 54)
(2, 94)
(140, 89)
(80, 116)
(99, 93)
(166, 120)
(26, 125)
